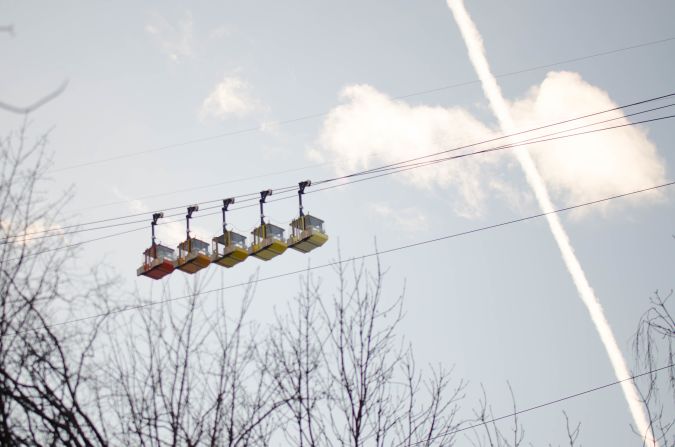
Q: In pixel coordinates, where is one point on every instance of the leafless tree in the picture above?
(653, 345)
(296, 368)
(346, 376)
(489, 433)
(45, 375)
(572, 433)
(189, 375)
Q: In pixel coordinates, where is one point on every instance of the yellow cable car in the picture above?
(268, 242)
(268, 239)
(193, 253)
(307, 232)
(229, 249)
(157, 259)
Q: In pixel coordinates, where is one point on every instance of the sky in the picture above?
(157, 93)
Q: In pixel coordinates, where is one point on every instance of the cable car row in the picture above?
(229, 248)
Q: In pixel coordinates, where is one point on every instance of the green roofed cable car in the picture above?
(268, 239)
(193, 253)
(229, 249)
(307, 232)
(157, 259)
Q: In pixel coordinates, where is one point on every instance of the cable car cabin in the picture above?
(268, 242)
(229, 249)
(307, 234)
(193, 255)
(158, 262)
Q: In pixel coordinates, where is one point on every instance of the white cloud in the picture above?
(231, 96)
(34, 233)
(409, 219)
(175, 39)
(588, 167)
(370, 125)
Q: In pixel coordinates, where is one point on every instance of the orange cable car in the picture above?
(307, 232)
(193, 253)
(229, 249)
(268, 239)
(157, 259)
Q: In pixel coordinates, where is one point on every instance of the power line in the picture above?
(364, 256)
(210, 185)
(321, 114)
(539, 406)
(252, 196)
(335, 161)
(373, 175)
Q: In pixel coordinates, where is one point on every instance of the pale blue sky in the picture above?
(498, 305)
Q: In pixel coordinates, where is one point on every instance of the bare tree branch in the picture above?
(35, 105)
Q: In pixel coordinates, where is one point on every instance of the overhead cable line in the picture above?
(341, 261)
(321, 114)
(372, 175)
(404, 161)
(210, 185)
(253, 195)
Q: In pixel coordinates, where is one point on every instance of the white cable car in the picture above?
(229, 249)
(193, 253)
(307, 232)
(157, 259)
(268, 239)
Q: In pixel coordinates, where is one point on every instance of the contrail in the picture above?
(474, 44)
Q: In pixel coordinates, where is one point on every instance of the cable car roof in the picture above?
(159, 250)
(271, 229)
(197, 244)
(235, 238)
(313, 220)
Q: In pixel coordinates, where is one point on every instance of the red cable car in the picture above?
(158, 259)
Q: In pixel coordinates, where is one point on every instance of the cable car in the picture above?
(307, 232)
(268, 239)
(193, 253)
(158, 258)
(229, 249)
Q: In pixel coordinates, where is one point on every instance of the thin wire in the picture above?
(251, 196)
(339, 262)
(537, 407)
(236, 180)
(321, 114)
(399, 162)
(657, 98)
(380, 173)
(399, 169)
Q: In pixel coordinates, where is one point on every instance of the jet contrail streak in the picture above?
(474, 44)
